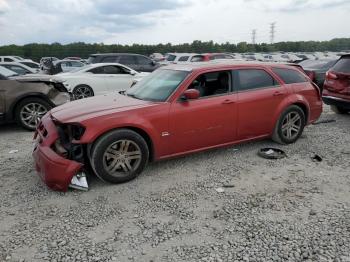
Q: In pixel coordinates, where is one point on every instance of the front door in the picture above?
(207, 121)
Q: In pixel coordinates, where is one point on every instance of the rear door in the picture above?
(259, 95)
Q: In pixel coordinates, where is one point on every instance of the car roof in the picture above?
(200, 66)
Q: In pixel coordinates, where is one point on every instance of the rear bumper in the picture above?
(56, 171)
(336, 101)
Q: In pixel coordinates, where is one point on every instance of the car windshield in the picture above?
(157, 86)
(6, 72)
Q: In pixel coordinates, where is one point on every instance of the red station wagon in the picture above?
(174, 111)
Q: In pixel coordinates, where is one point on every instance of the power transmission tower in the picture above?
(254, 36)
(272, 32)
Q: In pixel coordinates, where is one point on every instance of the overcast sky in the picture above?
(175, 21)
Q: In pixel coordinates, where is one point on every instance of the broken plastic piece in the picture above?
(13, 151)
(271, 153)
(316, 158)
(79, 182)
(219, 190)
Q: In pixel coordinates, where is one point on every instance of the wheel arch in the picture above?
(144, 134)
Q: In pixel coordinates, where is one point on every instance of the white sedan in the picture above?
(99, 79)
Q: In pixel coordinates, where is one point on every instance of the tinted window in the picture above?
(97, 70)
(32, 65)
(343, 65)
(143, 60)
(183, 58)
(8, 59)
(112, 70)
(246, 79)
(109, 59)
(128, 60)
(290, 76)
(76, 64)
(212, 84)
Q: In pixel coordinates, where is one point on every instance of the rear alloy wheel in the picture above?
(339, 110)
(119, 156)
(290, 126)
(30, 111)
(82, 91)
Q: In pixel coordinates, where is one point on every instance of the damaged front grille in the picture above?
(64, 145)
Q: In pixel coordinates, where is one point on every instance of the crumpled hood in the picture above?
(93, 107)
(34, 78)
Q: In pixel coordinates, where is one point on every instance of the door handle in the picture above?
(278, 93)
(227, 101)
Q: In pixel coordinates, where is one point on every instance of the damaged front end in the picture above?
(59, 158)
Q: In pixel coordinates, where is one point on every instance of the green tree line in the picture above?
(35, 51)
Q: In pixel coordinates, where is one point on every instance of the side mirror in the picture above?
(132, 73)
(153, 63)
(190, 94)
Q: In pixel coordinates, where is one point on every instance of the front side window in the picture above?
(96, 70)
(247, 79)
(290, 76)
(212, 84)
(158, 86)
(17, 69)
(171, 58)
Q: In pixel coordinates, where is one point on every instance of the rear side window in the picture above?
(343, 65)
(247, 79)
(290, 76)
(197, 58)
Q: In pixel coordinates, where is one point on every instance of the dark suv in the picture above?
(336, 89)
(137, 62)
(26, 100)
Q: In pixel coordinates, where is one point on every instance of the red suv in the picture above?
(176, 110)
(336, 89)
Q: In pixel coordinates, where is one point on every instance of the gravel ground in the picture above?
(291, 209)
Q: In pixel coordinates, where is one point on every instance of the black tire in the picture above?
(339, 110)
(279, 134)
(99, 160)
(82, 91)
(20, 112)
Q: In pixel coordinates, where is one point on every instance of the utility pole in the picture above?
(272, 32)
(254, 36)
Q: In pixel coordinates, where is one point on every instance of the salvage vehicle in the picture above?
(336, 88)
(25, 101)
(176, 110)
(317, 69)
(99, 79)
(140, 63)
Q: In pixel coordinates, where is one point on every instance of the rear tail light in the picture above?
(331, 76)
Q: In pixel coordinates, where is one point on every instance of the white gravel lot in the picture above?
(292, 209)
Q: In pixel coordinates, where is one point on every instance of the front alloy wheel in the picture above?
(119, 156)
(30, 111)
